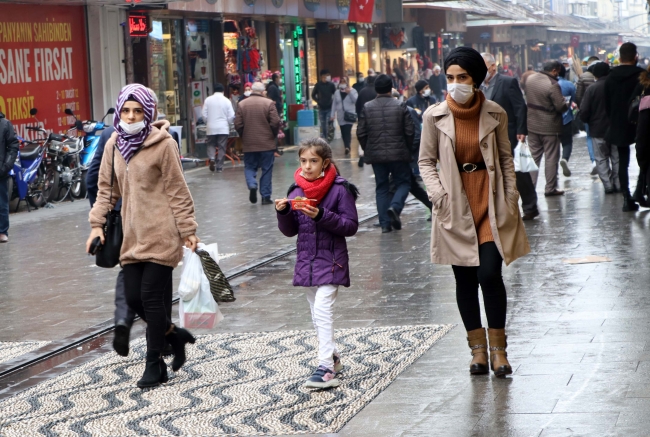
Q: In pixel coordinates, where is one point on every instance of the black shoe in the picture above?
(641, 201)
(347, 151)
(360, 163)
(609, 191)
(212, 165)
(629, 205)
(553, 193)
(121, 338)
(178, 338)
(394, 218)
(386, 230)
(168, 351)
(155, 371)
(253, 195)
(267, 201)
(377, 225)
(530, 215)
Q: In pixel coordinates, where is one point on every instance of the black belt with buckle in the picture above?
(469, 167)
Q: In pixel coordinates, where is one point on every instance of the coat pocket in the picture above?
(442, 208)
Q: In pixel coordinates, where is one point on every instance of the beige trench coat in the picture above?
(453, 233)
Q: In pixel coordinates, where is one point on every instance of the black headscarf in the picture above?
(469, 60)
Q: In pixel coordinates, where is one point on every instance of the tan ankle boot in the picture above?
(498, 355)
(478, 344)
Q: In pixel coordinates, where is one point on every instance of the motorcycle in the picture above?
(29, 179)
(63, 160)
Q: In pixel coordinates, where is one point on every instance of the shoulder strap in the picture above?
(110, 199)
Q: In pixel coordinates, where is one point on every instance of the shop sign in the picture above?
(575, 40)
(486, 35)
(343, 6)
(559, 37)
(43, 64)
(297, 35)
(138, 26)
(518, 36)
(276, 3)
(312, 5)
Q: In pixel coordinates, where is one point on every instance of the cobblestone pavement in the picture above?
(578, 333)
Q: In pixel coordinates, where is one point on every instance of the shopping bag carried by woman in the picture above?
(524, 161)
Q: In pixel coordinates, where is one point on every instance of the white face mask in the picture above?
(460, 92)
(426, 93)
(247, 93)
(133, 128)
(328, 78)
(343, 87)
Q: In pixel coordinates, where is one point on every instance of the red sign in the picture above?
(575, 41)
(43, 65)
(138, 26)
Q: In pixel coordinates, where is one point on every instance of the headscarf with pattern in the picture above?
(129, 144)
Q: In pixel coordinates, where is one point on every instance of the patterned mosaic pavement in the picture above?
(12, 349)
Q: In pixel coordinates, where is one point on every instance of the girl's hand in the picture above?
(96, 232)
(192, 242)
(309, 211)
(281, 204)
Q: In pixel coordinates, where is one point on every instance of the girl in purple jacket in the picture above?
(322, 259)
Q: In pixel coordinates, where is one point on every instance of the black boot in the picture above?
(121, 338)
(178, 338)
(360, 163)
(155, 371)
(629, 205)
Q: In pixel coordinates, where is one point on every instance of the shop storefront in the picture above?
(43, 65)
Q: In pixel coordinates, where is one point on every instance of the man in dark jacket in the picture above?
(438, 84)
(619, 89)
(323, 94)
(360, 83)
(585, 81)
(8, 151)
(367, 94)
(505, 91)
(592, 112)
(273, 92)
(423, 99)
(385, 133)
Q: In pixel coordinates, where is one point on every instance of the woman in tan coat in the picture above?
(476, 222)
(157, 219)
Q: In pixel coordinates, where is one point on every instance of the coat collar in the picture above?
(487, 123)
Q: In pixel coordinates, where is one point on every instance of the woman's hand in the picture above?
(96, 232)
(281, 204)
(192, 242)
(309, 211)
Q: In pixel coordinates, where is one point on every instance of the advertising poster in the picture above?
(43, 65)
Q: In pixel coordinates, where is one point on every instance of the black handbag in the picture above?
(350, 117)
(108, 254)
(219, 286)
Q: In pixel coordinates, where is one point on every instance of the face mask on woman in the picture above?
(426, 93)
(460, 92)
(133, 128)
(247, 93)
(343, 87)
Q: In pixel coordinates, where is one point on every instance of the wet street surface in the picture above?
(578, 333)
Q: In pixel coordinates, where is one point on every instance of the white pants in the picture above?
(321, 301)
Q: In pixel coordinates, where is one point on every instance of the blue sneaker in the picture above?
(322, 378)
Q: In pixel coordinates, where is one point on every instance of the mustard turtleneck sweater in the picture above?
(476, 184)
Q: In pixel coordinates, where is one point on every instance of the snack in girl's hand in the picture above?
(301, 202)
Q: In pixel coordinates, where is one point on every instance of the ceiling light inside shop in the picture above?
(361, 41)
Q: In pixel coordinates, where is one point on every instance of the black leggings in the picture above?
(346, 135)
(148, 291)
(488, 275)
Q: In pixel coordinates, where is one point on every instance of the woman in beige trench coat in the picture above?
(476, 223)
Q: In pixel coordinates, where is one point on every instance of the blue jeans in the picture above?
(254, 161)
(401, 172)
(4, 206)
(324, 120)
(590, 144)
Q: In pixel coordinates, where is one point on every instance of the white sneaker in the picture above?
(565, 167)
(3, 238)
(594, 170)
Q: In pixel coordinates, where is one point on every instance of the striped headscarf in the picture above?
(129, 144)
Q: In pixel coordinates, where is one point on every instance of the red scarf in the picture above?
(317, 189)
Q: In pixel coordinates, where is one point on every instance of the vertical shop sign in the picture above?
(297, 34)
(43, 64)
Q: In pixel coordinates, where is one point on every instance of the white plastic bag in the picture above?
(201, 312)
(191, 275)
(524, 161)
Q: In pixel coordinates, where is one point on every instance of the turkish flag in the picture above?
(361, 11)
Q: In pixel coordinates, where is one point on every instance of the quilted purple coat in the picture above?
(322, 252)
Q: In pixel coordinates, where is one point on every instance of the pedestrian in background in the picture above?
(218, 114)
(476, 222)
(416, 189)
(385, 132)
(584, 82)
(545, 108)
(273, 92)
(322, 257)
(593, 112)
(566, 139)
(345, 100)
(505, 92)
(643, 130)
(423, 99)
(367, 94)
(360, 83)
(619, 90)
(438, 83)
(323, 94)
(257, 122)
(9, 147)
(157, 219)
